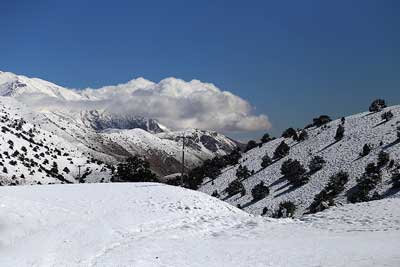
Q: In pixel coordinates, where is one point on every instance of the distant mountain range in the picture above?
(91, 134)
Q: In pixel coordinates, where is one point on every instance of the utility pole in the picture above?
(79, 172)
(183, 158)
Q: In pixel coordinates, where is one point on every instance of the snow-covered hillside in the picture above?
(148, 224)
(31, 155)
(103, 134)
(360, 129)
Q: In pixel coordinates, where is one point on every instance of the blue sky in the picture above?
(292, 60)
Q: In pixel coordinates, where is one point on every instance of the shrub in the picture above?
(242, 172)
(134, 169)
(387, 116)
(343, 120)
(294, 172)
(259, 191)
(215, 194)
(235, 187)
(316, 164)
(265, 138)
(281, 151)
(286, 210)
(396, 180)
(266, 161)
(383, 159)
(303, 136)
(321, 120)
(377, 105)
(339, 133)
(326, 197)
(290, 132)
(250, 145)
(366, 150)
(365, 184)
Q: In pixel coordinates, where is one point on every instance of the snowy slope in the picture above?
(344, 155)
(28, 152)
(147, 224)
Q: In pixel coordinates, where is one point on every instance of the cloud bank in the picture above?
(173, 102)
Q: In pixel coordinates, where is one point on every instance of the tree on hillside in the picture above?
(316, 164)
(294, 172)
(321, 120)
(242, 172)
(266, 161)
(339, 133)
(265, 138)
(377, 105)
(290, 132)
(235, 187)
(387, 116)
(366, 150)
(383, 159)
(259, 191)
(286, 210)
(281, 151)
(134, 169)
(250, 145)
(303, 136)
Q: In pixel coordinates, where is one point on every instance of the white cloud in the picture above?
(173, 102)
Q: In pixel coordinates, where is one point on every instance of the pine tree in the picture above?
(259, 191)
(266, 161)
(383, 159)
(242, 172)
(366, 150)
(316, 164)
(387, 116)
(294, 172)
(377, 105)
(281, 151)
(339, 133)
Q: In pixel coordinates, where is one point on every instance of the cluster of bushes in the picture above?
(134, 169)
(292, 133)
(326, 197)
(369, 180)
(210, 168)
(253, 144)
(286, 209)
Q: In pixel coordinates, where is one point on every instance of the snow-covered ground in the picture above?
(149, 224)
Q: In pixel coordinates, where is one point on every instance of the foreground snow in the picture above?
(147, 224)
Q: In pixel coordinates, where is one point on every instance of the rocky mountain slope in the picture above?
(340, 155)
(103, 134)
(148, 224)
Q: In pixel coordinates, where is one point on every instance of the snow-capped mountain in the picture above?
(105, 224)
(342, 155)
(102, 133)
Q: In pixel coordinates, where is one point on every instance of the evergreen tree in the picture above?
(316, 164)
(321, 120)
(294, 172)
(259, 191)
(281, 151)
(290, 132)
(387, 116)
(303, 136)
(286, 210)
(134, 169)
(266, 161)
(235, 187)
(383, 159)
(377, 105)
(265, 138)
(339, 133)
(366, 150)
(242, 172)
(250, 145)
